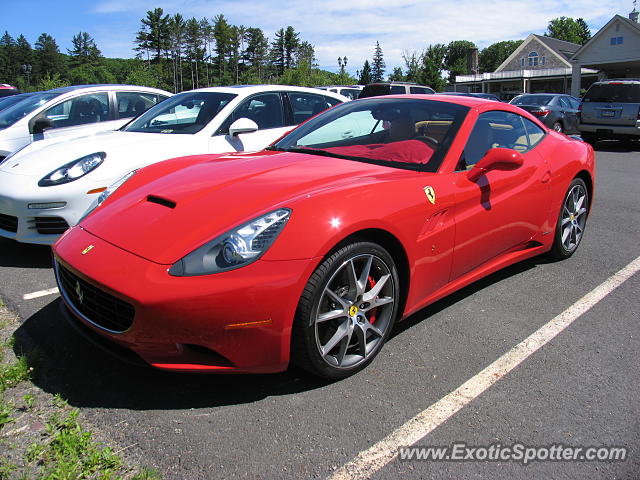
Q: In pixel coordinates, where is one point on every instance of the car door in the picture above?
(267, 111)
(502, 210)
(129, 105)
(570, 114)
(81, 115)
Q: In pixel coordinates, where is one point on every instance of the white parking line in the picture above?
(378, 455)
(40, 293)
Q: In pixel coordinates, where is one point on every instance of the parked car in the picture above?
(309, 252)
(556, 111)
(71, 112)
(349, 91)
(7, 90)
(611, 110)
(49, 185)
(394, 88)
(486, 96)
(6, 102)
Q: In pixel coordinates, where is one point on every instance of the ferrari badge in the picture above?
(431, 194)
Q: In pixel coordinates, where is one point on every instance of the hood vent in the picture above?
(161, 201)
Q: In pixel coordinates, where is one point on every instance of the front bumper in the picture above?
(39, 225)
(237, 321)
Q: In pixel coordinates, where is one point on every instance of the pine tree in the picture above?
(222, 33)
(84, 51)
(365, 74)
(278, 52)
(291, 44)
(377, 69)
(583, 31)
(433, 62)
(255, 54)
(47, 55)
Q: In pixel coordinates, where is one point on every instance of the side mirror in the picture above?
(242, 125)
(40, 125)
(496, 159)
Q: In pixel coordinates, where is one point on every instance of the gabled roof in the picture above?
(561, 49)
(626, 21)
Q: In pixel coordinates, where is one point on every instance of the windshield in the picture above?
(403, 133)
(613, 92)
(6, 102)
(185, 113)
(532, 100)
(12, 114)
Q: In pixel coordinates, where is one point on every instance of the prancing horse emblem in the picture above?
(79, 293)
(431, 194)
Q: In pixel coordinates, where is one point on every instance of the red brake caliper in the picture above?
(372, 313)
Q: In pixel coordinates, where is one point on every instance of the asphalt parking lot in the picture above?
(580, 389)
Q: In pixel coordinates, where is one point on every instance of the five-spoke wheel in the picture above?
(572, 220)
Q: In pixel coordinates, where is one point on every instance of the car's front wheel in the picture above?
(557, 126)
(571, 220)
(346, 312)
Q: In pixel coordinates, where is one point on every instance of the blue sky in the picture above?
(335, 27)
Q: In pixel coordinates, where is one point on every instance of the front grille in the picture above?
(8, 223)
(99, 307)
(48, 225)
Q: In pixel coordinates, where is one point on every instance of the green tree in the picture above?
(378, 65)
(291, 44)
(195, 52)
(154, 34)
(433, 63)
(49, 82)
(396, 75)
(176, 42)
(583, 31)
(9, 68)
(492, 57)
(84, 51)
(365, 74)
(277, 52)
(456, 58)
(223, 35)
(255, 54)
(413, 62)
(48, 59)
(568, 29)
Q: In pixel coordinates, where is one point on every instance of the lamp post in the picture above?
(26, 69)
(342, 62)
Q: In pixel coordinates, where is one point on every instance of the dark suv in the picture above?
(611, 110)
(393, 88)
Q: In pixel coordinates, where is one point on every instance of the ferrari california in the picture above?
(49, 185)
(308, 252)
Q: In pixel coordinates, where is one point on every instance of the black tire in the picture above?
(590, 139)
(571, 220)
(557, 126)
(358, 315)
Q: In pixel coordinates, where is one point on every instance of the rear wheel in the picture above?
(571, 220)
(346, 312)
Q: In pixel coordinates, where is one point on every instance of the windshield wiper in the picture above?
(310, 151)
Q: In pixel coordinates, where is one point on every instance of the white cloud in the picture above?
(339, 28)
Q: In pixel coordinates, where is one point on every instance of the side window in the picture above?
(575, 103)
(499, 129)
(307, 105)
(564, 103)
(397, 90)
(334, 101)
(265, 109)
(132, 104)
(534, 132)
(419, 90)
(80, 110)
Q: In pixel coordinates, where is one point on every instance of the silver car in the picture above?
(611, 110)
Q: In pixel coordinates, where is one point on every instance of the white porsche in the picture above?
(49, 185)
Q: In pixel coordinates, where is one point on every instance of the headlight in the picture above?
(73, 170)
(104, 195)
(236, 248)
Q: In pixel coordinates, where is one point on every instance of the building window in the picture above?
(617, 40)
(533, 59)
(522, 62)
(543, 60)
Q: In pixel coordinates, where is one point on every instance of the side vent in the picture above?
(161, 201)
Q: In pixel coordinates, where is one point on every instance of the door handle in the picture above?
(546, 177)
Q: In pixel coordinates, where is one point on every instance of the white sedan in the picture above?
(49, 185)
(72, 112)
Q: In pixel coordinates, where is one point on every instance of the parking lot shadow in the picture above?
(65, 363)
(617, 146)
(24, 255)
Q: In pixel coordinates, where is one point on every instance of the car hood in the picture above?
(172, 214)
(41, 158)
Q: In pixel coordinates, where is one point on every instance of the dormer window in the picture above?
(533, 59)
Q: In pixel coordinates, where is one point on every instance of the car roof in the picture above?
(250, 89)
(113, 86)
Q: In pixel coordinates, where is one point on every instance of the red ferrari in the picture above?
(308, 252)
